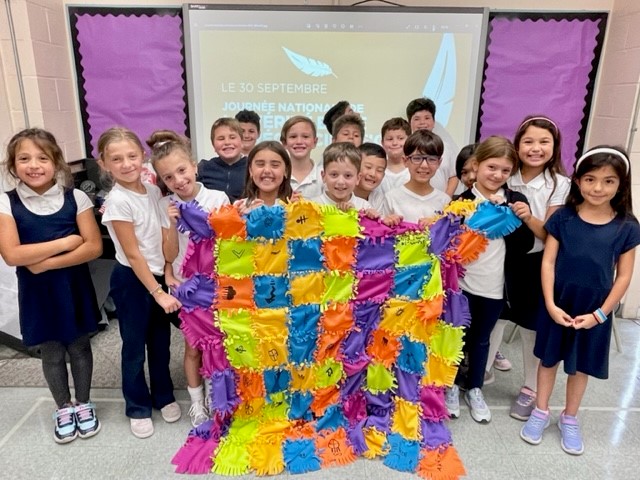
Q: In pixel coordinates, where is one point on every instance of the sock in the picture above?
(196, 393)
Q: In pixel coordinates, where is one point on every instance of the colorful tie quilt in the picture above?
(327, 336)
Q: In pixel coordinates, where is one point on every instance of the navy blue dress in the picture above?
(584, 276)
(56, 305)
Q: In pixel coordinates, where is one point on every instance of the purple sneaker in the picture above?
(571, 436)
(531, 431)
(524, 404)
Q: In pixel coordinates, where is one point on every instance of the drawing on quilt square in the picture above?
(411, 249)
(234, 293)
(303, 220)
(271, 291)
(234, 258)
(409, 281)
(271, 257)
(266, 222)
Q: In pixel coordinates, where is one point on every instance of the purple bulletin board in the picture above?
(130, 70)
(541, 64)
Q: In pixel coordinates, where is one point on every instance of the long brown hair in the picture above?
(251, 191)
(48, 144)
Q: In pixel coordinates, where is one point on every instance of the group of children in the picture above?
(559, 275)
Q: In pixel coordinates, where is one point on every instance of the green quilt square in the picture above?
(235, 258)
(338, 287)
(411, 249)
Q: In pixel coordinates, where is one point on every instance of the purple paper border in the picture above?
(540, 66)
(131, 70)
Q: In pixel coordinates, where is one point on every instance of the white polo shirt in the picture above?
(541, 195)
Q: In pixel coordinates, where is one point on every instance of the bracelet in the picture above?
(597, 318)
(600, 315)
(158, 289)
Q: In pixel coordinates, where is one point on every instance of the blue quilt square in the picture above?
(412, 356)
(276, 380)
(266, 222)
(403, 454)
(300, 456)
(305, 255)
(270, 291)
(375, 254)
(303, 320)
(408, 281)
(300, 403)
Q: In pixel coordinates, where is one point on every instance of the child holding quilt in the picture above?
(171, 158)
(483, 284)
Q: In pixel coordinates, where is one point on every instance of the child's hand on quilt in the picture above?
(174, 213)
(392, 220)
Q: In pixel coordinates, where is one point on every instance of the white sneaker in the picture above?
(171, 412)
(479, 410)
(198, 413)
(207, 393)
(452, 400)
(141, 427)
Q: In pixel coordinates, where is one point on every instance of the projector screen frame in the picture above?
(199, 127)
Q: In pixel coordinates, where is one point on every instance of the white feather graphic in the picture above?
(307, 65)
(441, 84)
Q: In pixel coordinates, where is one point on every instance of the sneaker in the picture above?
(489, 377)
(198, 413)
(479, 410)
(86, 420)
(531, 432)
(501, 362)
(523, 406)
(171, 412)
(452, 400)
(141, 427)
(571, 436)
(66, 429)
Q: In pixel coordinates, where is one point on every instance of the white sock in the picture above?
(530, 361)
(196, 393)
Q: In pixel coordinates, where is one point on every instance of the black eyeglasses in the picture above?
(418, 159)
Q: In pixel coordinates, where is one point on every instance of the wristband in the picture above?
(158, 289)
(600, 314)
(597, 318)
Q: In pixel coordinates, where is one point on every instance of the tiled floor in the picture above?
(610, 419)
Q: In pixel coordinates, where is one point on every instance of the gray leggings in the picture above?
(54, 367)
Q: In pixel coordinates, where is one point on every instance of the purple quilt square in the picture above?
(375, 254)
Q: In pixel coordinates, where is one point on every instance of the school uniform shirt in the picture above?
(208, 200)
(412, 206)
(48, 203)
(485, 276)
(394, 180)
(357, 202)
(216, 174)
(376, 199)
(311, 185)
(143, 211)
(542, 194)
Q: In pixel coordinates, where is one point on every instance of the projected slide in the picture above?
(300, 62)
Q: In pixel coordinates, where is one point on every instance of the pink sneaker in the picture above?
(501, 362)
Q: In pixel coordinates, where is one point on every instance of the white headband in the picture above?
(610, 151)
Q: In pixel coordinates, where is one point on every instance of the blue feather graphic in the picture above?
(309, 66)
(441, 84)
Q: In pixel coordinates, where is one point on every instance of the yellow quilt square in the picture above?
(272, 352)
(303, 378)
(271, 258)
(303, 220)
(439, 372)
(406, 419)
(307, 288)
(269, 322)
(398, 316)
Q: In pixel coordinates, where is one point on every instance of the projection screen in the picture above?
(285, 61)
